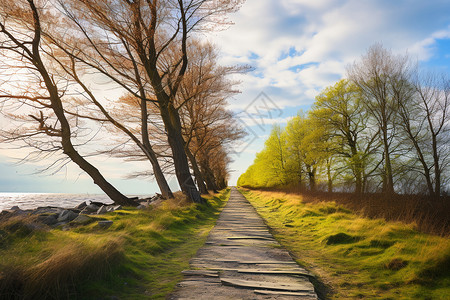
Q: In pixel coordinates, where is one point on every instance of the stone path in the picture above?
(242, 260)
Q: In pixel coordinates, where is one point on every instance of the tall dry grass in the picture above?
(429, 215)
(55, 267)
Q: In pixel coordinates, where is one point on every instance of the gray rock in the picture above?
(157, 197)
(15, 207)
(47, 210)
(82, 220)
(67, 216)
(105, 224)
(102, 210)
(91, 208)
(59, 224)
(5, 212)
(81, 205)
(141, 206)
(48, 219)
(99, 204)
(13, 212)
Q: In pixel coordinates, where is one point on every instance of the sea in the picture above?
(34, 200)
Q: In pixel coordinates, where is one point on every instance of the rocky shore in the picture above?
(85, 213)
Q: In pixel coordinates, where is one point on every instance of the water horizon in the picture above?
(29, 200)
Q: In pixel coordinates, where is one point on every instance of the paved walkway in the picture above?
(242, 260)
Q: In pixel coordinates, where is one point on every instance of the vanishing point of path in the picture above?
(242, 260)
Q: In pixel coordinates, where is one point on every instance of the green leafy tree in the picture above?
(338, 109)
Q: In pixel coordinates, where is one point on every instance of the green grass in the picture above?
(357, 257)
(140, 256)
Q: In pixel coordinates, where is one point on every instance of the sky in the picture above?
(295, 49)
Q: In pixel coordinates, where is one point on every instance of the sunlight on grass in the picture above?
(140, 255)
(359, 258)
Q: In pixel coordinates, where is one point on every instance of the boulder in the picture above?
(81, 205)
(141, 206)
(48, 219)
(99, 204)
(47, 210)
(67, 216)
(5, 212)
(91, 208)
(13, 212)
(103, 209)
(104, 224)
(15, 207)
(82, 220)
(59, 224)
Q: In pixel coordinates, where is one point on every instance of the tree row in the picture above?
(168, 106)
(384, 129)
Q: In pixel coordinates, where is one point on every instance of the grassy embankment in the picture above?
(139, 257)
(355, 256)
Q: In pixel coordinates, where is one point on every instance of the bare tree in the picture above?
(129, 78)
(153, 30)
(206, 123)
(425, 122)
(21, 36)
(434, 94)
(382, 77)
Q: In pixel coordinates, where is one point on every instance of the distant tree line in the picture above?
(170, 108)
(384, 129)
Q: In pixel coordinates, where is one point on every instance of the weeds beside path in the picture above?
(359, 258)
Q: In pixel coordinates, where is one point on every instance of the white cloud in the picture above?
(299, 47)
(329, 33)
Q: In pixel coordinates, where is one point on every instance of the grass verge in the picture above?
(357, 257)
(139, 257)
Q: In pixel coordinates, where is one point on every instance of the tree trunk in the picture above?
(159, 175)
(172, 124)
(330, 179)
(222, 183)
(437, 170)
(209, 177)
(357, 170)
(312, 178)
(70, 151)
(388, 177)
(99, 180)
(197, 173)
